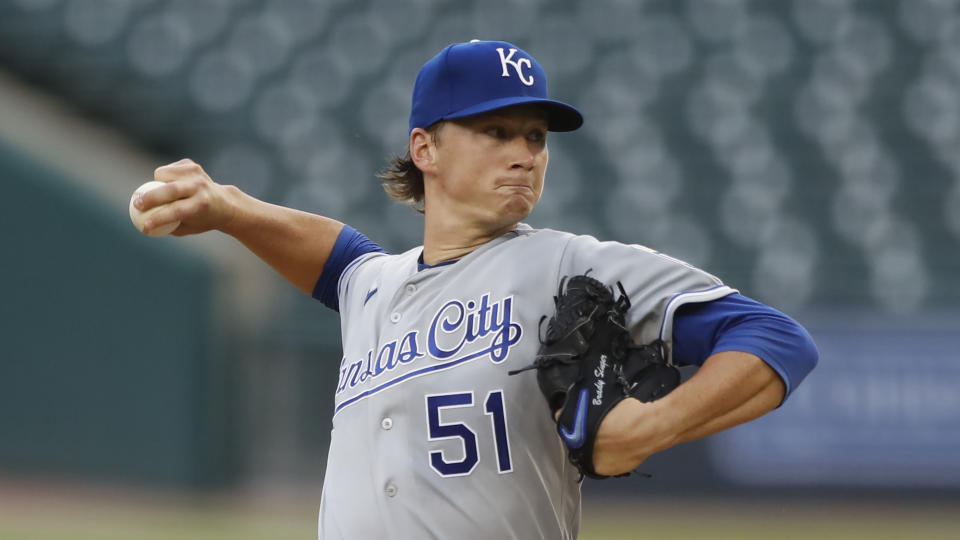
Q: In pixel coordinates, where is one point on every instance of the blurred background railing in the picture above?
(805, 151)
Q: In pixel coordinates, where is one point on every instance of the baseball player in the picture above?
(432, 437)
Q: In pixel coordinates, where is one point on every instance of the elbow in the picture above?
(800, 357)
(803, 360)
(808, 354)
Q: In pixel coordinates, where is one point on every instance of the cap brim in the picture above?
(560, 116)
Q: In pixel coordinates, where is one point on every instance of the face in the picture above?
(489, 168)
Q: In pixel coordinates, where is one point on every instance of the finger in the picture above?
(173, 190)
(182, 210)
(168, 172)
(155, 197)
(159, 218)
(177, 170)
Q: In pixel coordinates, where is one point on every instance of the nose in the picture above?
(523, 153)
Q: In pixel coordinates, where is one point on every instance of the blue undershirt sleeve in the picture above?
(350, 244)
(738, 323)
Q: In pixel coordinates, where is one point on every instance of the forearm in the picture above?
(296, 244)
(731, 388)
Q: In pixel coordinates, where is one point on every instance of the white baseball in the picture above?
(139, 217)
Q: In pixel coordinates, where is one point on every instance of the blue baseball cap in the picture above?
(481, 76)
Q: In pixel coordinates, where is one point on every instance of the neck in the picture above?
(447, 239)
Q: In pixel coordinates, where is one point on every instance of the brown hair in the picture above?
(402, 180)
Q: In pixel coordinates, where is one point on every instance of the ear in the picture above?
(423, 150)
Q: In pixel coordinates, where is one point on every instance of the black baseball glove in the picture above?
(587, 363)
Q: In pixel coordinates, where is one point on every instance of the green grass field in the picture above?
(32, 513)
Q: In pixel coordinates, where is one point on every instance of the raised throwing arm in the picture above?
(295, 243)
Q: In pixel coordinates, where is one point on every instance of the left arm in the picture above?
(731, 388)
(751, 356)
(740, 381)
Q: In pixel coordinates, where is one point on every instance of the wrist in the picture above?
(652, 429)
(631, 432)
(657, 427)
(233, 200)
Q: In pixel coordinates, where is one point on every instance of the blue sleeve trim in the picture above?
(350, 244)
(738, 323)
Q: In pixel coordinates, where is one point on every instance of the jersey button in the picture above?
(386, 423)
(395, 317)
(411, 288)
(390, 490)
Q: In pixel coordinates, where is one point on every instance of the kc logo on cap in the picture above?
(466, 79)
(517, 64)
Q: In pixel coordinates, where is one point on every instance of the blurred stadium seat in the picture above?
(804, 151)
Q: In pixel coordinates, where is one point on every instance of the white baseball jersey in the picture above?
(431, 438)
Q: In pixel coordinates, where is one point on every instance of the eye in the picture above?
(537, 135)
(497, 132)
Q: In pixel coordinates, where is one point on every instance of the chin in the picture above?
(515, 213)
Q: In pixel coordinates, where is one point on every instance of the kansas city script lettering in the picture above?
(455, 326)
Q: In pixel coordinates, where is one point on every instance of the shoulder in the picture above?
(525, 238)
(584, 249)
(379, 261)
(580, 246)
(578, 241)
(542, 235)
(372, 264)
